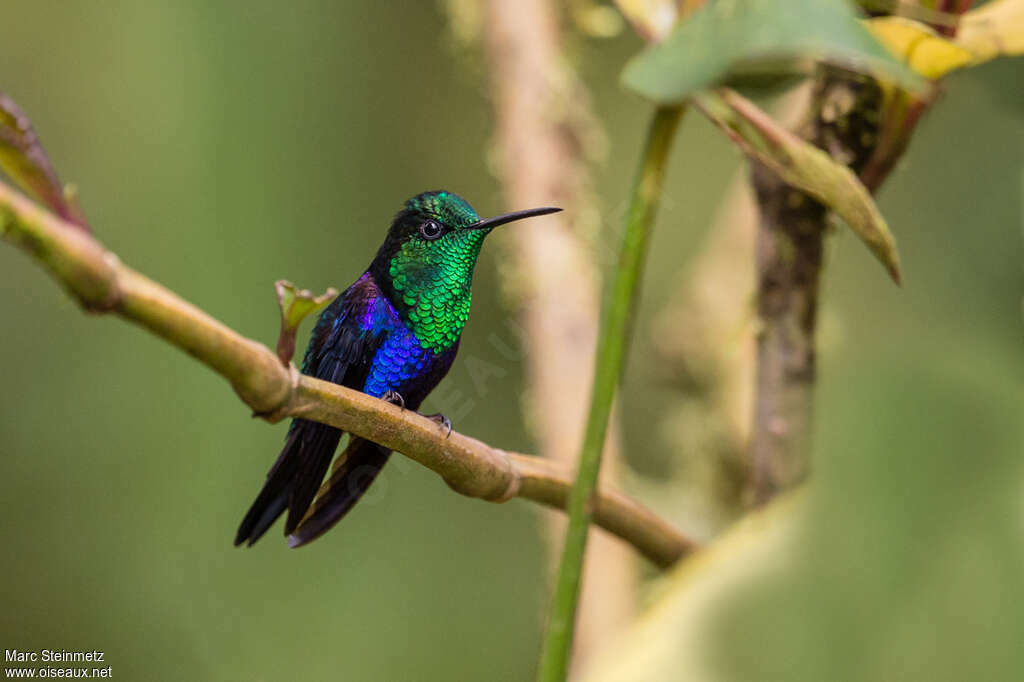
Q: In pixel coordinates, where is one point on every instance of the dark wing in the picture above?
(339, 351)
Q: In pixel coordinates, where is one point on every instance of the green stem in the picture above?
(613, 336)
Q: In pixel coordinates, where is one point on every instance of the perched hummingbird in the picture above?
(393, 334)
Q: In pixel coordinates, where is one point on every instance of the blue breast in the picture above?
(401, 359)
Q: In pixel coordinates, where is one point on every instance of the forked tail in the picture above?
(295, 478)
(354, 471)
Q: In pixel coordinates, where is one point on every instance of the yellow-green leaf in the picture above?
(296, 305)
(993, 30)
(804, 166)
(24, 160)
(925, 51)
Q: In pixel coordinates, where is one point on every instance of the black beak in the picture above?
(491, 223)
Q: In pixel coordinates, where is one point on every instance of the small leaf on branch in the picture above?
(732, 39)
(296, 305)
(805, 167)
(923, 49)
(23, 159)
(653, 20)
(993, 30)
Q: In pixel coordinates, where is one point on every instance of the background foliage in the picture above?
(221, 148)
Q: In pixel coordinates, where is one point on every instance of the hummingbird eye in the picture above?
(431, 229)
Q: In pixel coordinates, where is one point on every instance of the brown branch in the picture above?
(842, 118)
(542, 480)
(862, 126)
(97, 279)
(788, 257)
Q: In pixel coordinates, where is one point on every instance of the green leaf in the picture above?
(23, 159)
(296, 305)
(806, 167)
(730, 38)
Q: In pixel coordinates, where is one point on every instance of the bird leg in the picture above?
(440, 419)
(395, 398)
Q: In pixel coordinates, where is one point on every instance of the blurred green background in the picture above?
(218, 148)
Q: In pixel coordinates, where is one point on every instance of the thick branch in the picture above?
(842, 119)
(789, 252)
(101, 283)
(851, 117)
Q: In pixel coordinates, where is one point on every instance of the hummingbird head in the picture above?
(425, 266)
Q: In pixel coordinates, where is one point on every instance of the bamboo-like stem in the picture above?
(545, 134)
(611, 350)
(97, 279)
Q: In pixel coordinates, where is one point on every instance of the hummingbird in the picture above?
(393, 335)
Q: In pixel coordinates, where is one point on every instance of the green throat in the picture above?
(433, 285)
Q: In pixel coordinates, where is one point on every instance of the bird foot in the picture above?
(441, 420)
(395, 398)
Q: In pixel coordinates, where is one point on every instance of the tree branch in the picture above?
(842, 118)
(867, 127)
(101, 283)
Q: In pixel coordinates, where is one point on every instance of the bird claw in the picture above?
(395, 398)
(443, 421)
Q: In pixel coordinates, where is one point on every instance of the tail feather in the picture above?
(273, 497)
(318, 445)
(300, 466)
(354, 471)
(266, 519)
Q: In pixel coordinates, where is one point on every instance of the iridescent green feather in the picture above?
(449, 208)
(434, 279)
